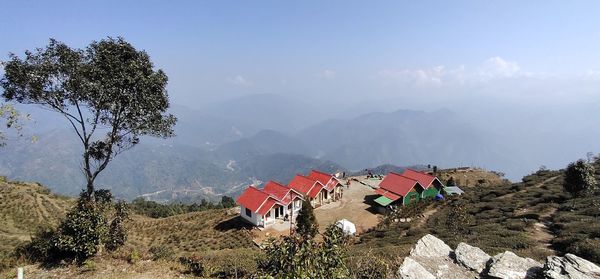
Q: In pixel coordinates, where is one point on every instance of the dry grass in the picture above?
(190, 233)
(23, 208)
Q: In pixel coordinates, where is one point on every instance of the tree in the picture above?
(579, 178)
(227, 202)
(295, 256)
(306, 222)
(108, 88)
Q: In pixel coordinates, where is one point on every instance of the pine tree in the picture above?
(306, 222)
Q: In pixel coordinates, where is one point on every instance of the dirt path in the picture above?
(425, 217)
(541, 231)
(352, 207)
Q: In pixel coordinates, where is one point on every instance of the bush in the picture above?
(80, 234)
(160, 252)
(296, 256)
(193, 265)
(368, 266)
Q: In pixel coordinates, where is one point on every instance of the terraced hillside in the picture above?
(23, 208)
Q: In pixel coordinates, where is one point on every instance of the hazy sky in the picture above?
(512, 51)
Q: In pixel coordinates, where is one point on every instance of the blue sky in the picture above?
(215, 50)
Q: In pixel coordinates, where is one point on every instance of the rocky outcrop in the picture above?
(412, 269)
(570, 267)
(507, 265)
(471, 257)
(432, 258)
(431, 246)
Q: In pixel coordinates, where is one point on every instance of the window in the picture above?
(248, 212)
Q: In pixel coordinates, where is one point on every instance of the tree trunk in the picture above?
(90, 189)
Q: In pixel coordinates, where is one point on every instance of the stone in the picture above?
(430, 246)
(471, 257)
(412, 269)
(507, 265)
(570, 267)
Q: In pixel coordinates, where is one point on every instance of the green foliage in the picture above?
(134, 256)
(306, 222)
(227, 202)
(223, 264)
(80, 235)
(368, 266)
(160, 252)
(158, 210)
(579, 178)
(296, 256)
(117, 234)
(459, 219)
(12, 120)
(107, 87)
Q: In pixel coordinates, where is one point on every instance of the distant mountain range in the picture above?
(222, 148)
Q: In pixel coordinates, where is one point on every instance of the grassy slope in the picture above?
(23, 208)
(533, 218)
(506, 217)
(26, 206)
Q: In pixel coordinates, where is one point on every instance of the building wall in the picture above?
(431, 192)
(411, 195)
(254, 219)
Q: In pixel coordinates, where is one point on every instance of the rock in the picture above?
(412, 269)
(402, 220)
(471, 257)
(570, 267)
(430, 246)
(507, 265)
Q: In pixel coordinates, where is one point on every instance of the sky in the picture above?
(411, 51)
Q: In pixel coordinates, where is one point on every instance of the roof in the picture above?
(303, 184)
(383, 201)
(387, 194)
(275, 189)
(324, 178)
(451, 190)
(266, 206)
(424, 179)
(256, 200)
(398, 184)
(315, 190)
(282, 193)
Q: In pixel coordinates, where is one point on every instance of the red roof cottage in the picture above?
(310, 188)
(398, 189)
(331, 184)
(432, 184)
(264, 207)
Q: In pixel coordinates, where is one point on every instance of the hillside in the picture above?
(26, 206)
(158, 172)
(534, 218)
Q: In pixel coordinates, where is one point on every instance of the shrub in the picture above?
(296, 256)
(193, 265)
(367, 266)
(80, 234)
(160, 252)
(579, 178)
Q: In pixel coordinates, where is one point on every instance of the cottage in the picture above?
(310, 188)
(263, 207)
(333, 186)
(433, 186)
(396, 189)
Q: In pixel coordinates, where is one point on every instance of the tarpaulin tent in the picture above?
(347, 227)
